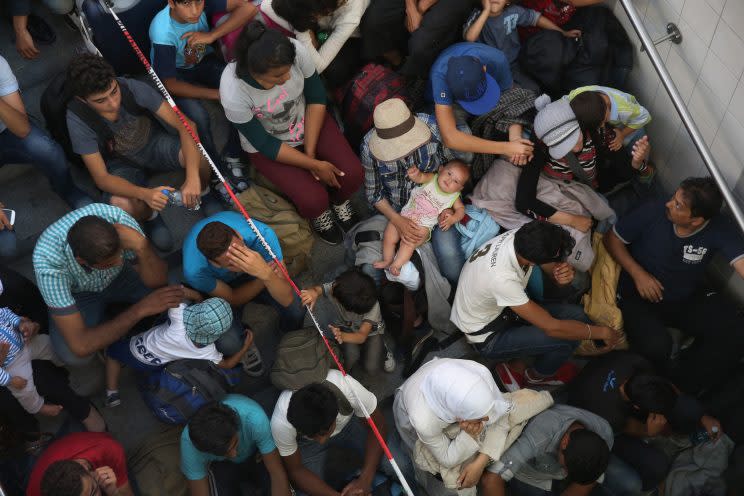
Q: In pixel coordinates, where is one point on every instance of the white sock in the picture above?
(109, 392)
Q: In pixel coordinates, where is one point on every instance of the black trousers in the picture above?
(249, 478)
(347, 63)
(708, 316)
(383, 29)
(23, 297)
(651, 463)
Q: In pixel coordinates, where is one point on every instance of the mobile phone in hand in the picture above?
(10, 214)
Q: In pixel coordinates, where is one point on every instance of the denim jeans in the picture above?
(207, 73)
(620, 480)
(448, 251)
(46, 155)
(352, 438)
(529, 340)
(126, 288)
(8, 244)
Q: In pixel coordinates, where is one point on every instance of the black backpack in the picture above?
(57, 99)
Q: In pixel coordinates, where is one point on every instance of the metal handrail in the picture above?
(684, 113)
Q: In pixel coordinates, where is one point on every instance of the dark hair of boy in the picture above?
(213, 428)
(586, 456)
(355, 291)
(260, 49)
(89, 74)
(303, 15)
(651, 393)
(312, 410)
(63, 478)
(590, 110)
(214, 239)
(702, 196)
(93, 239)
(541, 242)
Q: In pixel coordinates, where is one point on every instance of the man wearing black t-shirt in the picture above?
(622, 388)
(664, 250)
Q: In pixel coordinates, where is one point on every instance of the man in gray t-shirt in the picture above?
(119, 139)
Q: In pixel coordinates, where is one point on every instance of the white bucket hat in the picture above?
(397, 132)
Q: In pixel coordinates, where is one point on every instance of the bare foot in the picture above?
(382, 264)
(394, 269)
(50, 410)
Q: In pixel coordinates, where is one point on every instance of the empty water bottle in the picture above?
(175, 198)
(699, 437)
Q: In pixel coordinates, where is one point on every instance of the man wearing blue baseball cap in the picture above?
(472, 75)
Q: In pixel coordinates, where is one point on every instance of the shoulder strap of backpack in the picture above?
(344, 407)
(578, 171)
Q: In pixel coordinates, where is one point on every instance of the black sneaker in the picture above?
(346, 216)
(327, 229)
(425, 346)
(220, 192)
(112, 400)
(237, 173)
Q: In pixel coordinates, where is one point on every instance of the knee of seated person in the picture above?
(60, 7)
(136, 208)
(490, 482)
(310, 205)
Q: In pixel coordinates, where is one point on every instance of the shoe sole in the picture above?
(113, 404)
(422, 341)
(510, 386)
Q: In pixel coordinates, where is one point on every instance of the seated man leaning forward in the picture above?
(497, 316)
(219, 450)
(90, 258)
(223, 257)
(308, 423)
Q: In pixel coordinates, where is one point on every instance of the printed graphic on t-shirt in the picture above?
(139, 349)
(284, 119)
(510, 23)
(193, 54)
(610, 382)
(692, 255)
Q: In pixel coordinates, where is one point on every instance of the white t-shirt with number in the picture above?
(285, 435)
(490, 281)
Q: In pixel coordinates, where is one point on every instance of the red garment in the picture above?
(98, 448)
(311, 197)
(555, 10)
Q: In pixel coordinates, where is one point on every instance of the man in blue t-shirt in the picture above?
(218, 447)
(223, 257)
(664, 250)
(473, 76)
(184, 59)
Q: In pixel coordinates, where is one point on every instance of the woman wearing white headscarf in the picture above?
(444, 392)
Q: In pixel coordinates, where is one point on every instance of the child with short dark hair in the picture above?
(496, 25)
(358, 323)
(598, 106)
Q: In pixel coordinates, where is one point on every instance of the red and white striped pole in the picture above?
(141, 56)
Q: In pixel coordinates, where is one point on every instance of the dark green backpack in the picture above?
(301, 359)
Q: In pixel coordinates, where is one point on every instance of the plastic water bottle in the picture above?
(701, 436)
(175, 198)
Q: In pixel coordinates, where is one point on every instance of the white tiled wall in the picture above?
(707, 69)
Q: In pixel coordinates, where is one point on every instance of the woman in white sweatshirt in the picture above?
(337, 52)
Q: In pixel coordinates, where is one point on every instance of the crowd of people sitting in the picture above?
(531, 226)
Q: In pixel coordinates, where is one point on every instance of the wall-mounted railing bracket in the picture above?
(673, 34)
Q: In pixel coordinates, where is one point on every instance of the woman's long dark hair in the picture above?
(260, 49)
(303, 15)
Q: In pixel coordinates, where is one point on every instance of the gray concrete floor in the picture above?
(28, 192)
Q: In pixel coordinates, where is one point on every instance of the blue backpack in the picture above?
(177, 391)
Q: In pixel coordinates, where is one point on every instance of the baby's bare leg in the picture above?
(390, 238)
(405, 252)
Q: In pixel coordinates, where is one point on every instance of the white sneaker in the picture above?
(390, 362)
